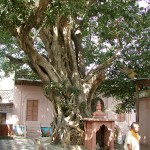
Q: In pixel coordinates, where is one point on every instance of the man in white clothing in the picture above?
(132, 138)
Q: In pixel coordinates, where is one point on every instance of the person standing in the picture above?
(132, 138)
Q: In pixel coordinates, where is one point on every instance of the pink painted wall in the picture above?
(22, 93)
(144, 120)
(110, 111)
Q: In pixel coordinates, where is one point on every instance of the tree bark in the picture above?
(62, 66)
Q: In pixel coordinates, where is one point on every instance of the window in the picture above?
(32, 110)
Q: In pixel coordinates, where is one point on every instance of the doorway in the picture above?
(102, 138)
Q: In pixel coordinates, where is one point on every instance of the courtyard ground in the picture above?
(21, 143)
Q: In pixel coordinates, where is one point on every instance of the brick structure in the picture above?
(99, 131)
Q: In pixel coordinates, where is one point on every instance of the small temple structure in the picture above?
(99, 131)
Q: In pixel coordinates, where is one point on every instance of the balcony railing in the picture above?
(6, 96)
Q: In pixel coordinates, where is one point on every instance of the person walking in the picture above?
(132, 138)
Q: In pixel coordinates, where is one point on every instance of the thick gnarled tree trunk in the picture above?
(61, 68)
(59, 62)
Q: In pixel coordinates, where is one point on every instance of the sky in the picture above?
(144, 3)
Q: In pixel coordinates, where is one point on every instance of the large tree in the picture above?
(72, 46)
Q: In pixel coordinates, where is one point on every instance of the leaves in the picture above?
(100, 24)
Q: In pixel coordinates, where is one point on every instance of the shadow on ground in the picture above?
(6, 138)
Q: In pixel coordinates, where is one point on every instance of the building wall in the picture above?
(144, 120)
(23, 93)
(6, 88)
(6, 93)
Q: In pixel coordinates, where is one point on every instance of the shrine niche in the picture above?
(99, 131)
(102, 137)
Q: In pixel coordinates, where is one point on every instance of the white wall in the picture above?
(6, 88)
(7, 83)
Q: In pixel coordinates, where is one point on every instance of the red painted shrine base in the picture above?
(99, 131)
(92, 127)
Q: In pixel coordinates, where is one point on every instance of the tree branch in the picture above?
(78, 49)
(35, 18)
(13, 59)
(105, 64)
(75, 71)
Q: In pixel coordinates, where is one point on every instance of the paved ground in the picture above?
(17, 144)
(20, 143)
(143, 147)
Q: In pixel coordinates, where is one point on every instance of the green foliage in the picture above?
(6, 138)
(82, 108)
(101, 24)
(66, 8)
(26, 73)
(20, 11)
(61, 88)
(121, 87)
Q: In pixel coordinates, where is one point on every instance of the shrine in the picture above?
(99, 131)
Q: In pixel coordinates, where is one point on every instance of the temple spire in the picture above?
(98, 113)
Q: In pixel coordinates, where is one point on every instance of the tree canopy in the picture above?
(77, 47)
